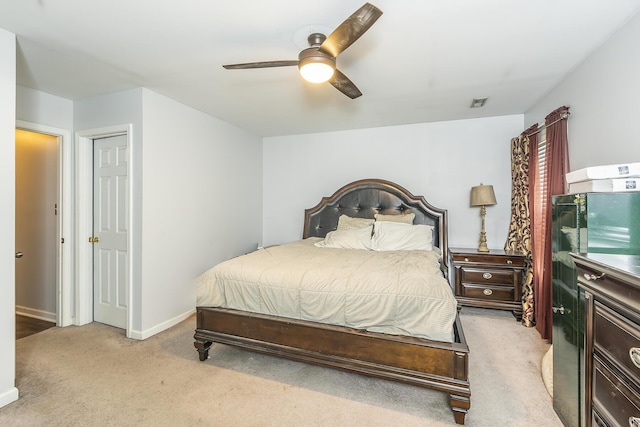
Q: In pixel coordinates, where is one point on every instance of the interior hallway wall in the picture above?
(39, 107)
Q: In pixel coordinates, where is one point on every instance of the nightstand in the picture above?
(487, 279)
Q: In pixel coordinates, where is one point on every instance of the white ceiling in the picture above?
(422, 61)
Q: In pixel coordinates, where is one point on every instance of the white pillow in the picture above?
(353, 238)
(346, 222)
(406, 218)
(396, 236)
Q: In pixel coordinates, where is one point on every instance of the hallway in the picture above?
(26, 326)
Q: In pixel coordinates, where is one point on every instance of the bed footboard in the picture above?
(433, 364)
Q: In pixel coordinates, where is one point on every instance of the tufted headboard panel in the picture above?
(367, 197)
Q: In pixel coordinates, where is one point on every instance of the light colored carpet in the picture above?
(93, 376)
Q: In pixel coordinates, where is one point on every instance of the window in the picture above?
(541, 185)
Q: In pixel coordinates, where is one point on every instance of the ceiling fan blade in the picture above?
(350, 30)
(263, 64)
(344, 85)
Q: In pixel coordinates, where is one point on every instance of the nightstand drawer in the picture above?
(484, 292)
(618, 339)
(493, 276)
(486, 259)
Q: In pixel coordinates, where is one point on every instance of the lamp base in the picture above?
(483, 242)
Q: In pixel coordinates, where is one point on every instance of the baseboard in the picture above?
(9, 396)
(143, 335)
(36, 314)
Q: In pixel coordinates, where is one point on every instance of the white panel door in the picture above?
(110, 229)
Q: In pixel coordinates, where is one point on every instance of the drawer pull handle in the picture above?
(509, 261)
(634, 355)
(487, 292)
(487, 275)
(466, 260)
(634, 422)
(561, 310)
(589, 277)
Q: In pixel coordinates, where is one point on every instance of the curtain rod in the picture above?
(564, 116)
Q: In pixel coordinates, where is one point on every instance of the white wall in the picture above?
(440, 161)
(202, 183)
(8, 391)
(44, 109)
(602, 94)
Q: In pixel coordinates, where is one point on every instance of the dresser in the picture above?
(606, 223)
(487, 279)
(611, 285)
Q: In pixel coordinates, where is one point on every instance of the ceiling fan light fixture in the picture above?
(316, 72)
(317, 63)
(316, 67)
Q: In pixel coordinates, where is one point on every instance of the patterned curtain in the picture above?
(519, 236)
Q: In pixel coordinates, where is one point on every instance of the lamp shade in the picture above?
(483, 195)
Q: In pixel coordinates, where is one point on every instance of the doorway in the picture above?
(43, 188)
(37, 202)
(103, 256)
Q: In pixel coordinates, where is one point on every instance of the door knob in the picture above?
(19, 254)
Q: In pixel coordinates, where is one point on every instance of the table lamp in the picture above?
(483, 195)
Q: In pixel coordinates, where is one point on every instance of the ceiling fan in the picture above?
(317, 63)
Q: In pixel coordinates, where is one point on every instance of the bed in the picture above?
(398, 354)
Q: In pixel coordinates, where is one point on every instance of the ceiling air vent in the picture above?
(478, 102)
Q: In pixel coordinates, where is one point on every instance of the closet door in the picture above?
(110, 231)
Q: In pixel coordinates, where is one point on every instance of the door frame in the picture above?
(84, 221)
(64, 251)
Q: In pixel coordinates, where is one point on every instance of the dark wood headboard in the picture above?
(367, 197)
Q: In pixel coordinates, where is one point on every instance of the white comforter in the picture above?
(395, 292)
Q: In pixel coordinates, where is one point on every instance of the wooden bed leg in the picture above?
(203, 349)
(459, 405)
